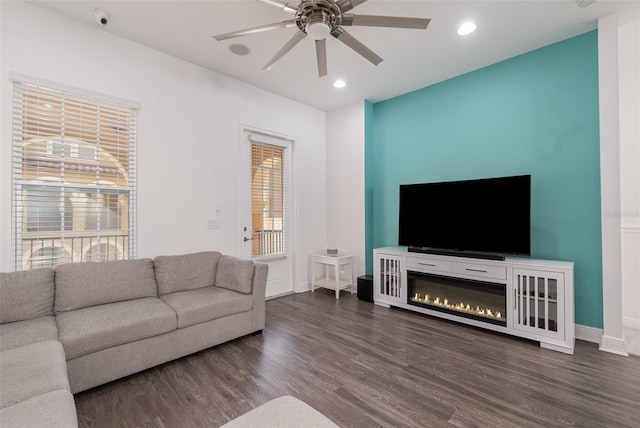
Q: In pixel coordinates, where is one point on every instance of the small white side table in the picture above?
(340, 263)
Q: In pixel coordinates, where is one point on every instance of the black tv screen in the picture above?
(490, 215)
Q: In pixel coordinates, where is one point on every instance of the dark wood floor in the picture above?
(367, 366)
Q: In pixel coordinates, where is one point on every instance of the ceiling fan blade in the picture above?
(347, 5)
(287, 7)
(321, 55)
(285, 49)
(253, 30)
(346, 38)
(384, 21)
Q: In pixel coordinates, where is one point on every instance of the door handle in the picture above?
(247, 239)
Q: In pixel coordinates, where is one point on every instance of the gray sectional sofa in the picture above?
(81, 325)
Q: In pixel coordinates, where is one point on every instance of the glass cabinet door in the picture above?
(388, 278)
(539, 302)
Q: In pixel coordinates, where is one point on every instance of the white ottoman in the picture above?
(282, 412)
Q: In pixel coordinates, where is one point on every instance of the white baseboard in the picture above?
(303, 287)
(589, 334)
(631, 323)
(277, 296)
(614, 345)
(632, 336)
(606, 343)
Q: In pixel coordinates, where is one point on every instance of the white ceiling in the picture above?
(412, 58)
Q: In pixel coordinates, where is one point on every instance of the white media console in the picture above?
(523, 297)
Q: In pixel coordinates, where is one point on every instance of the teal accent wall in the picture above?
(536, 114)
(368, 185)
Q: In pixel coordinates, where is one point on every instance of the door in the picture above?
(267, 206)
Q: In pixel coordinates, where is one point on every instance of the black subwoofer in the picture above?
(365, 288)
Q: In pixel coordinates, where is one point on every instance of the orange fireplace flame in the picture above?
(461, 307)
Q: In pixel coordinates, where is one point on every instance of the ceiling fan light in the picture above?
(318, 30)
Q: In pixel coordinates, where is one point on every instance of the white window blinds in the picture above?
(268, 190)
(74, 175)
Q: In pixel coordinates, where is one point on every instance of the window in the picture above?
(267, 199)
(73, 178)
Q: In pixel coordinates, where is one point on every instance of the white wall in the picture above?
(629, 82)
(189, 133)
(345, 183)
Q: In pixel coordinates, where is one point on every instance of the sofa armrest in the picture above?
(258, 290)
(235, 274)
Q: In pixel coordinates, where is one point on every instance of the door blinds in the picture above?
(268, 193)
(74, 175)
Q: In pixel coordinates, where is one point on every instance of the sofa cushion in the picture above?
(80, 285)
(32, 370)
(26, 294)
(88, 330)
(206, 304)
(21, 333)
(235, 274)
(186, 272)
(54, 409)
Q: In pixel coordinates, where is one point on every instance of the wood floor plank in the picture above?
(366, 366)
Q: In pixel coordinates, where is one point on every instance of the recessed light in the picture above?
(339, 84)
(467, 28)
(585, 3)
(239, 49)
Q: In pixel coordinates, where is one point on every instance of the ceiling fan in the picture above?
(320, 18)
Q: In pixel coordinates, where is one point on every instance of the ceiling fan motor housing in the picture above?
(318, 18)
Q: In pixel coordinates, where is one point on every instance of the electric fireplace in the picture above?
(477, 300)
(521, 297)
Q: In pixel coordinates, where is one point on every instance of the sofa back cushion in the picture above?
(26, 294)
(186, 272)
(80, 285)
(235, 274)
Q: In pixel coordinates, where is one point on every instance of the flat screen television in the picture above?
(487, 218)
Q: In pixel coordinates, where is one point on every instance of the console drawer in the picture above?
(431, 264)
(485, 271)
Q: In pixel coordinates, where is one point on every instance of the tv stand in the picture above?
(535, 297)
(457, 253)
